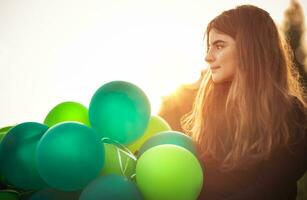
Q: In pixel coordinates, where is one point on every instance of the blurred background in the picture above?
(64, 50)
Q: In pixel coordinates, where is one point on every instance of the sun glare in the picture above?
(62, 51)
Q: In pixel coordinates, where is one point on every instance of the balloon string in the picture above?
(126, 163)
(19, 193)
(121, 149)
(9, 190)
(120, 162)
(133, 176)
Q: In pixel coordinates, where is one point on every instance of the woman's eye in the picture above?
(219, 46)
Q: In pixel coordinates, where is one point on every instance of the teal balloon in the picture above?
(17, 155)
(69, 156)
(120, 111)
(4, 130)
(111, 187)
(53, 194)
(169, 137)
(67, 111)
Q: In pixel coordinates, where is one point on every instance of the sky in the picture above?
(64, 50)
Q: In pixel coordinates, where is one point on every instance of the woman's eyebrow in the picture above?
(218, 41)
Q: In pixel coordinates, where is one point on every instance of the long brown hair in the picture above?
(240, 122)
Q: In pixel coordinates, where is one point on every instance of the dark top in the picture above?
(273, 179)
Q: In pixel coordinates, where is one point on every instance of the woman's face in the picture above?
(221, 56)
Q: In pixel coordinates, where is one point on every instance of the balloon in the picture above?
(2, 181)
(52, 194)
(112, 162)
(69, 156)
(9, 195)
(120, 111)
(168, 137)
(156, 124)
(169, 172)
(67, 111)
(111, 187)
(302, 187)
(17, 155)
(4, 131)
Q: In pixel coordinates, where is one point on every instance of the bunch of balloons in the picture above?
(115, 149)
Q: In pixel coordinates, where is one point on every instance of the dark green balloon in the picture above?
(17, 155)
(52, 194)
(120, 111)
(67, 111)
(111, 187)
(8, 195)
(69, 156)
(169, 137)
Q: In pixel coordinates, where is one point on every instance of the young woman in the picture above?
(249, 116)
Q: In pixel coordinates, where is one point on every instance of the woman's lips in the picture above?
(213, 69)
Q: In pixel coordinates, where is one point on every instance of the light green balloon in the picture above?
(4, 130)
(67, 111)
(112, 162)
(302, 187)
(156, 124)
(169, 172)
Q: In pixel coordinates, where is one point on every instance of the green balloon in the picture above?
(69, 156)
(67, 111)
(52, 194)
(8, 195)
(156, 124)
(4, 130)
(169, 137)
(17, 155)
(169, 172)
(112, 162)
(111, 187)
(302, 187)
(120, 111)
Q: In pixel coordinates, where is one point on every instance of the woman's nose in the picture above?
(209, 57)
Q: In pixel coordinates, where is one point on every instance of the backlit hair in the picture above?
(240, 122)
